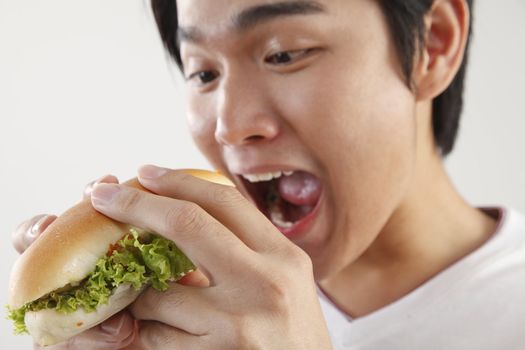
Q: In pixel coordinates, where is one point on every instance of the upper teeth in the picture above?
(266, 176)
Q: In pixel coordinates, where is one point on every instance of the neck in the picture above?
(432, 228)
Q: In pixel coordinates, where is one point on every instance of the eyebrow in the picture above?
(255, 15)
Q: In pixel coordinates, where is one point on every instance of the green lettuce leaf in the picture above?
(148, 259)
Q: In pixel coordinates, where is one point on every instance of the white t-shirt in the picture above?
(476, 304)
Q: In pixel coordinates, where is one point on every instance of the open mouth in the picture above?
(286, 198)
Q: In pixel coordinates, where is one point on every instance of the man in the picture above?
(332, 117)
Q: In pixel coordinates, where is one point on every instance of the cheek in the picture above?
(201, 124)
(378, 167)
(360, 125)
(357, 115)
(364, 117)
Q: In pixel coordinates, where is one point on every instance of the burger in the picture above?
(87, 267)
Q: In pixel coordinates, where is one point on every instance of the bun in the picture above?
(49, 327)
(66, 253)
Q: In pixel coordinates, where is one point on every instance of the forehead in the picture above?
(221, 14)
(223, 22)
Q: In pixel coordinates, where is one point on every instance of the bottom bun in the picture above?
(49, 327)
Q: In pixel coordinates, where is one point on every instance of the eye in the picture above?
(204, 77)
(287, 57)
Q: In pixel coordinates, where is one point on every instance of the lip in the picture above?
(299, 228)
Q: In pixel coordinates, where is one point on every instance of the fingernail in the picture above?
(90, 186)
(35, 229)
(113, 325)
(151, 171)
(103, 194)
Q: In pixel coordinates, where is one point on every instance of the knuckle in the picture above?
(154, 303)
(156, 336)
(275, 282)
(300, 259)
(184, 219)
(149, 302)
(182, 178)
(176, 298)
(130, 201)
(276, 296)
(275, 288)
(227, 196)
(275, 249)
(272, 287)
(236, 325)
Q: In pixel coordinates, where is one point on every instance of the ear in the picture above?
(446, 33)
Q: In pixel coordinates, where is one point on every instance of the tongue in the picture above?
(300, 188)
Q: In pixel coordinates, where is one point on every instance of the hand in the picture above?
(262, 292)
(115, 333)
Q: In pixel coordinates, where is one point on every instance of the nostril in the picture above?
(254, 138)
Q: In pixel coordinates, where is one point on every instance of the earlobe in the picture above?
(438, 61)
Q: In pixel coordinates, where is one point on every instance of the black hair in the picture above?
(405, 18)
(406, 21)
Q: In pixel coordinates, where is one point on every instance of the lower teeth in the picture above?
(273, 201)
(277, 217)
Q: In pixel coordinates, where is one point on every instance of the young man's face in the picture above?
(314, 88)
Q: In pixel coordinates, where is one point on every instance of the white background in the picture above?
(85, 90)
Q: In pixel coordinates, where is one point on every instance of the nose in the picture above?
(244, 113)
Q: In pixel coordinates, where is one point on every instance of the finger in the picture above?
(158, 336)
(225, 203)
(183, 307)
(104, 179)
(195, 279)
(26, 233)
(116, 332)
(208, 244)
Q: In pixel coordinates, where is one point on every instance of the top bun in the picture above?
(69, 248)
